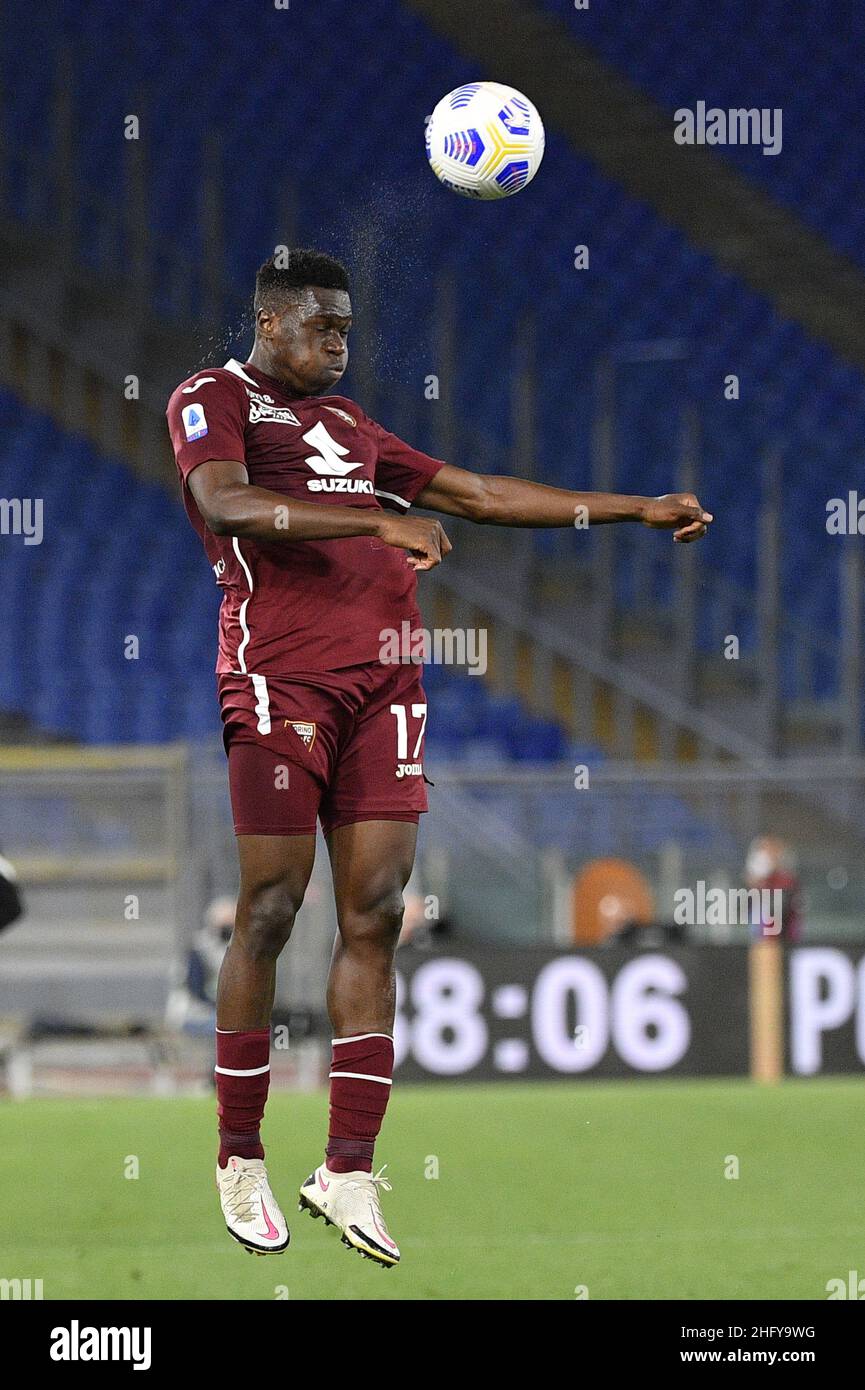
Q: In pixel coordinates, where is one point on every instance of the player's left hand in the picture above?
(679, 510)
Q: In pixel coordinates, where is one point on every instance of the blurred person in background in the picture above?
(422, 925)
(192, 1005)
(11, 905)
(770, 866)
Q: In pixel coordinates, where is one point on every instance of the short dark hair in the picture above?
(283, 273)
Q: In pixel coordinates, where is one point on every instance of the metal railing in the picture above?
(678, 824)
(119, 850)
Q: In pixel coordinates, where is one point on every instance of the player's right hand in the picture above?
(679, 510)
(423, 537)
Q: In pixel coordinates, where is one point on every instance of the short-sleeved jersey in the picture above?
(302, 605)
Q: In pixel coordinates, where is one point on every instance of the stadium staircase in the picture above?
(781, 53)
(608, 118)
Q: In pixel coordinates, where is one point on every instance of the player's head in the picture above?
(302, 318)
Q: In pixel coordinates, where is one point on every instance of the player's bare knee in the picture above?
(267, 923)
(374, 924)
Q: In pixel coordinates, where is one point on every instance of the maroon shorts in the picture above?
(343, 746)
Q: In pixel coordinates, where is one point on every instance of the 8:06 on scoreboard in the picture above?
(535, 1013)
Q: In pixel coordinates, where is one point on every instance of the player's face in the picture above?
(307, 344)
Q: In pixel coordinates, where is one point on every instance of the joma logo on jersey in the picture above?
(200, 381)
(409, 770)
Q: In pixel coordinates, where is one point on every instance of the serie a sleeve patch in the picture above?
(194, 421)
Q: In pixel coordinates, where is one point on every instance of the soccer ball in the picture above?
(485, 140)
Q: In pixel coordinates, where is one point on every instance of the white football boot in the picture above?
(251, 1211)
(351, 1202)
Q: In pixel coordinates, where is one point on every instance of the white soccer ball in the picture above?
(485, 140)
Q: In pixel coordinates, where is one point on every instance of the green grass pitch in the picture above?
(541, 1189)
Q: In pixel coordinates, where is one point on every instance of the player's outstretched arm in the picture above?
(496, 501)
(231, 506)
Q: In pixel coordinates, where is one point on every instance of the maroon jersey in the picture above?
(299, 605)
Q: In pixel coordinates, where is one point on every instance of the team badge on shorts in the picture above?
(305, 730)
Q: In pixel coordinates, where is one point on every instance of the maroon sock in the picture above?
(242, 1079)
(358, 1099)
